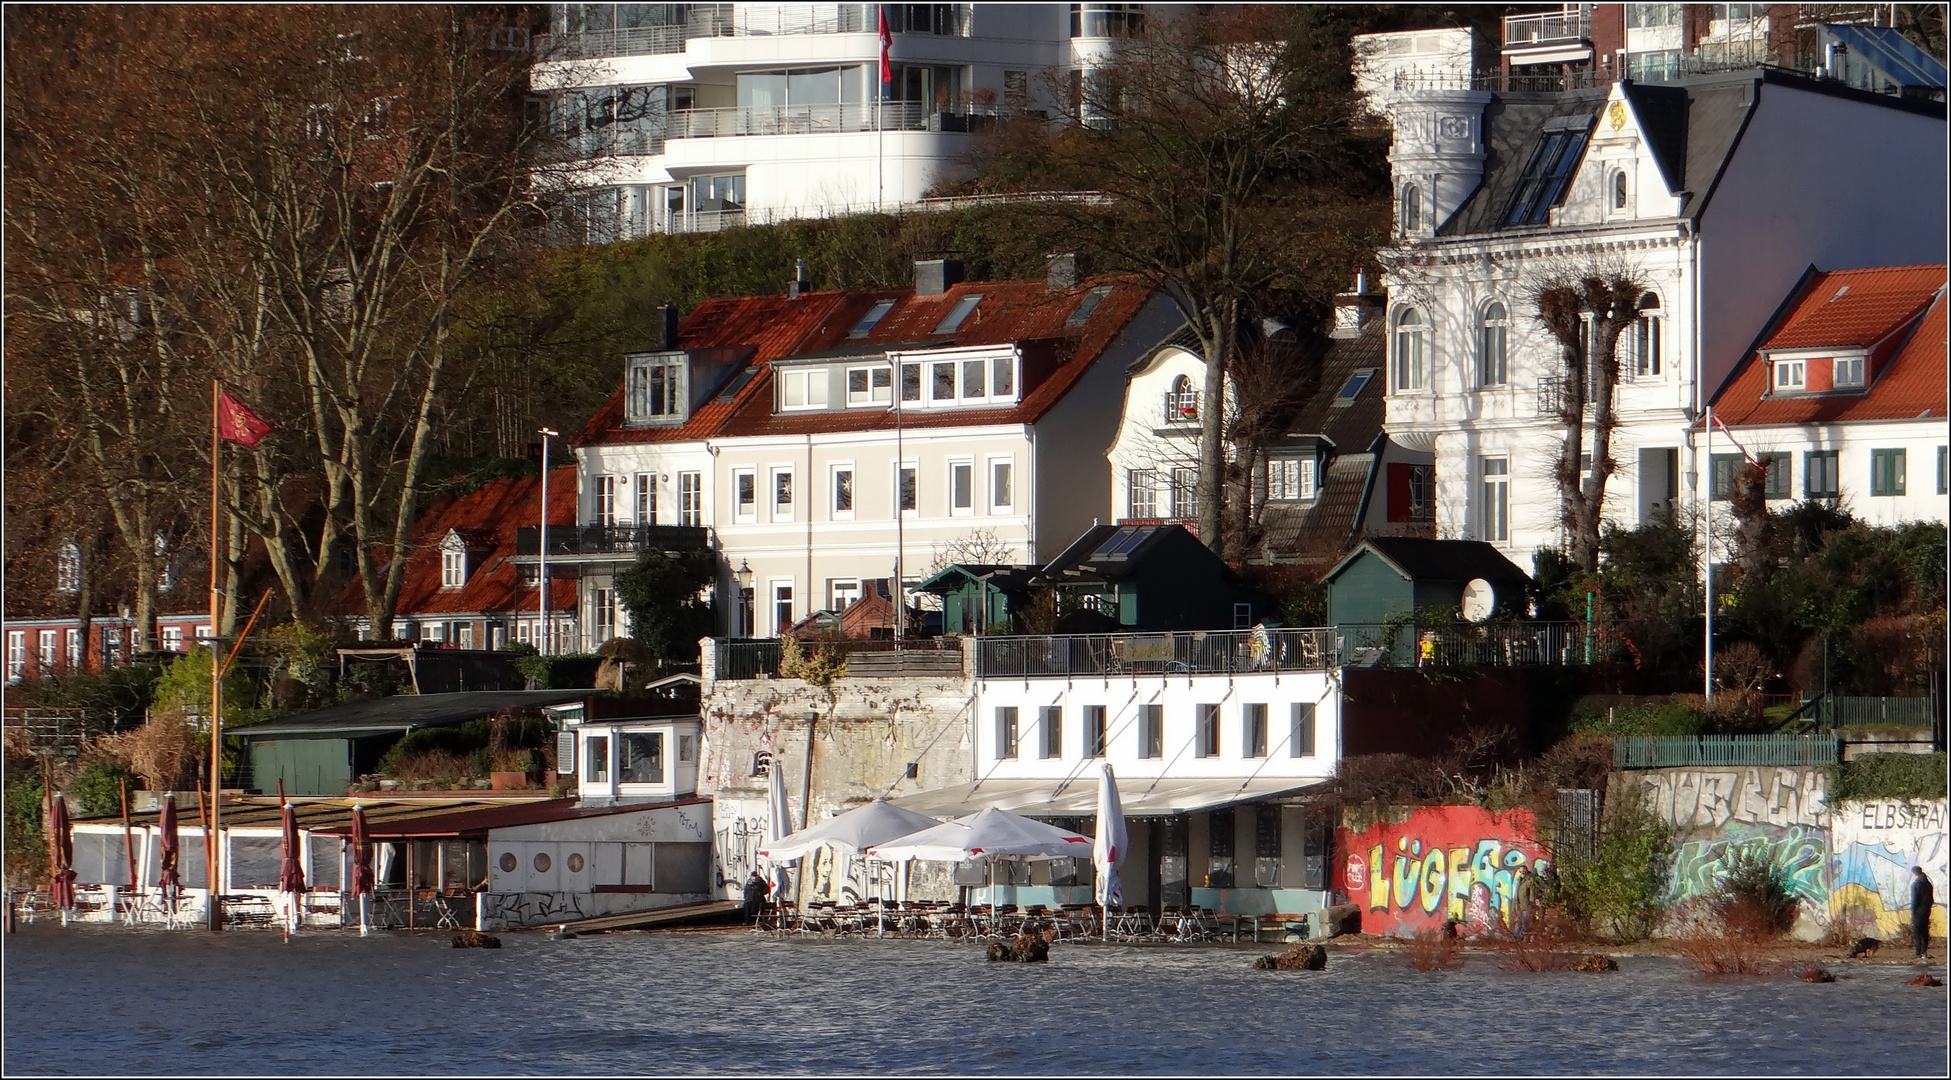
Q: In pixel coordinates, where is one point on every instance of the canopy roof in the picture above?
(1077, 797)
(987, 834)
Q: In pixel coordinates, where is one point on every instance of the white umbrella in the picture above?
(856, 830)
(778, 824)
(1109, 850)
(991, 835)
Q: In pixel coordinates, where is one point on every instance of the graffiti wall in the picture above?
(1715, 798)
(1420, 867)
(1875, 844)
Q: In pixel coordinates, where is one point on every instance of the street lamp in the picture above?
(743, 576)
(542, 567)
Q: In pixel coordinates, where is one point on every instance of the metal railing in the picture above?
(1554, 395)
(827, 119)
(1183, 653)
(1683, 751)
(1545, 28)
(609, 539)
(1586, 77)
(753, 658)
(726, 20)
(1524, 644)
(1919, 712)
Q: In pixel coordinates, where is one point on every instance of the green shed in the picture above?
(963, 586)
(1395, 575)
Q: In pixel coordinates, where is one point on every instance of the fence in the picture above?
(1918, 712)
(755, 658)
(1679, 751)
(1528, 644)
(1193, 653)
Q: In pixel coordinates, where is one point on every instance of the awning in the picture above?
(403, 712)
(1142, 797)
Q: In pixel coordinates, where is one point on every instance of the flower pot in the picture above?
(507, 781)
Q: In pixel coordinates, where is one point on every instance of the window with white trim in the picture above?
(782, 494)
(1495, 513)
(646, 499)
(16, 654)
(1643, 340)
(1848, 374)
(842, 593)
(870, 385)
(1141, 493)
(1002, 485)
(1411, 212)
(745, 494)
(904, 488)
(1790, 375)
(603, 502)
(690, 498)
(843, 492)
(1493, 345)
(803, 388)
(67, 568)
(961, 487)
(77, 648)
(654, 388)
(1290, 478)
(1411, 350)
(453, 564)
(50, 651)
(173, 638)
(1185, 493)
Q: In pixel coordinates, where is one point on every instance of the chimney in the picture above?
(1356, 309)
(800, 285)
(669, 340)
(934, 276)
(1067, 270)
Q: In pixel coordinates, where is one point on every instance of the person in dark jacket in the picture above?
(1922, 896)
(755, 894)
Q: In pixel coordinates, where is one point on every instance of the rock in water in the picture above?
(1863, 947)
(475, 939)
(1298, 958)
(1596, 962)
(1816, 975)
(1923, 979)
(1023, 949)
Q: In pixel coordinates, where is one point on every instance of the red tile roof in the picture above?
(1886, 303)
(775, 327)
(487, 517)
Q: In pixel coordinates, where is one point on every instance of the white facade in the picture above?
(1155, 460)
(1874, 194)
(699, 117)
(655, 759)
(1912, 487)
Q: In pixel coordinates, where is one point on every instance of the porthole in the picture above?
(575, 864)
(541, 862)
(509, 862)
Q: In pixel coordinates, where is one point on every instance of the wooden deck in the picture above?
(640, 920)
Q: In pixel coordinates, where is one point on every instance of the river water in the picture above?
(102, 1000)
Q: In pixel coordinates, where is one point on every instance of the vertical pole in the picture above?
(900, 516)
(542, 576)
(128, 848)
(1707, 547)
(216, 665)
(1588, 628)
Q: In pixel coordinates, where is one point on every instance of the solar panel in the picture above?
(1123, 542)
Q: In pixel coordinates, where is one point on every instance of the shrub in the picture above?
(439, 768)
(1755, 900)
(1618, 886)
(1434, 950)
(1716, 948)
(1887, 776)
(558, 672)
(480, 762)
(98, 789)
(26, 850)
(1541, 945)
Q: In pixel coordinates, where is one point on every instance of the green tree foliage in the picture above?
(122, 693)
(26, 842)
(664, 592)
(1887, 776)
(98, 789)
(1618, 884)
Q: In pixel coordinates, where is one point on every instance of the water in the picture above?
(102, 1000)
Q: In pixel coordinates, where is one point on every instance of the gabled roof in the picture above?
(1437, 560)
(486, 519)
(1880, 305)
(404, 712)
(1351, 425)
(1003, 577)
(1115, 552)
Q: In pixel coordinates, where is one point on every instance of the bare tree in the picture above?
(1585, 305)
(980, 547)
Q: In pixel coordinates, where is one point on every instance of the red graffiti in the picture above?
(1442, 863)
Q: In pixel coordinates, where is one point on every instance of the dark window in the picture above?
(1821, 476)
(597, 749)
(1549, 171)
(1208, 730)
(640, 758)
(1721, 480)
(1006, 732)
(1151, 731)
(1253, 736)
(1780, 472)
(874, 315)
(1886, 472)
(1221, 836)
(1082, 313)
(1300, 742)
(1094, 731)
(1266, 830)
(1052, 722)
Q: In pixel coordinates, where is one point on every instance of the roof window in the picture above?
(1352, 389)
(1549, 171)
(953, 320)
(1086, 306)
(873, 317)
(1122, 542)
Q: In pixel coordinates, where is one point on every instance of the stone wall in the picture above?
(868, 731)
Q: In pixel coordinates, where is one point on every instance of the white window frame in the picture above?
(745, 511)
(1183, 490)
(1409, 374)
(1291, 479)
(648, 400)
(1147, 508)
(690, 497)
(603, 502)
(803, 389)
(67, 568)
(1495, 509)
(1006, 504)
(172, 637)
(955, 508)
(453, 564)
(842, 593)
(48, 650)
(1789, 375)
(16, 654)
(464, 634)
(773, 600)
(1494, 344)
(881, 395)
(1645, 347)
(913, 469)
(834, 473)
(999, 385)
(781, 511)
(1855, 367)
(646, 509)
(602, 615)
(77, 648)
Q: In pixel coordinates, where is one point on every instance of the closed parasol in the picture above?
(61, 890)
(171, 847)
(1109, 848)
(291, 872)
(362, 866)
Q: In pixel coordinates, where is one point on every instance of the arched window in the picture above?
(1619, 190)
(1412, 350)
(1644, 345)
(1182, 402)
(1493, 345)
(1412, 208)
(67, 568)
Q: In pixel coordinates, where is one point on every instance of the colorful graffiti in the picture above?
(1876, 844)
(1714, 798)
(1441, 863)
(1800, 855)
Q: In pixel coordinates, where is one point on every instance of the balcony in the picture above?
(811, 120)
(1545, 30)
(1223, 652)
(765, 20)
(612, 540)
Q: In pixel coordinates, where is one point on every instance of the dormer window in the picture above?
(958, 378)
(1182, 402)
(953, 320)
(1291, 479)
(803, 389)
(453, 562)
(1849, 372)
(869, 385)
(1790, 375)
(1548, 171)
(656, 391)
(67, 568)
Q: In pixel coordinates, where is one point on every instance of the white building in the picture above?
(700, 116)
(1715, 190)
(824, 438)
(1844, 400)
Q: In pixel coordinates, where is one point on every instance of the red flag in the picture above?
(1722, 424)
(238, 424)
(887, 42)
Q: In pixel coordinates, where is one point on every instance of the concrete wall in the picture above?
(1417, 867)
(867, 733)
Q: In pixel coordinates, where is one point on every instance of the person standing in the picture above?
(1922, 896)
(755, 894)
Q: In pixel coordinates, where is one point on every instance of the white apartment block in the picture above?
(696, 117)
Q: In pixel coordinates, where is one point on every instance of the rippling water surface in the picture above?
(113, 1001)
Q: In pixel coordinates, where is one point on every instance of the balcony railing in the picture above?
(610, 539)
(1524, 644)
(761, 20)
(1693, 751)
(811, 120)
(1546, 28)
(1184, 653)
(754, 658)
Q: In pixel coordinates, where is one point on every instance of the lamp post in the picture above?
(547, 647)
(743, 578)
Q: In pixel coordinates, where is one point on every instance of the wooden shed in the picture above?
(1395, 575)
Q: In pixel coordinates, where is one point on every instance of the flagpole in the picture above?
(212, 843)
(1707, 526)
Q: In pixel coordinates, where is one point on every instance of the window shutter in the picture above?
(1399, 491)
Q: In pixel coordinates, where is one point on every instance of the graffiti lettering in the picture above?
(1875, 845)
(1442, 863)
(1712, 798)
(1700, 866)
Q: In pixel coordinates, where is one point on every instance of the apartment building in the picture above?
(696, 117)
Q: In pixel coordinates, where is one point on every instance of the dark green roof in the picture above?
(404, 712)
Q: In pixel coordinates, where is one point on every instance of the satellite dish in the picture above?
(1479, 600)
